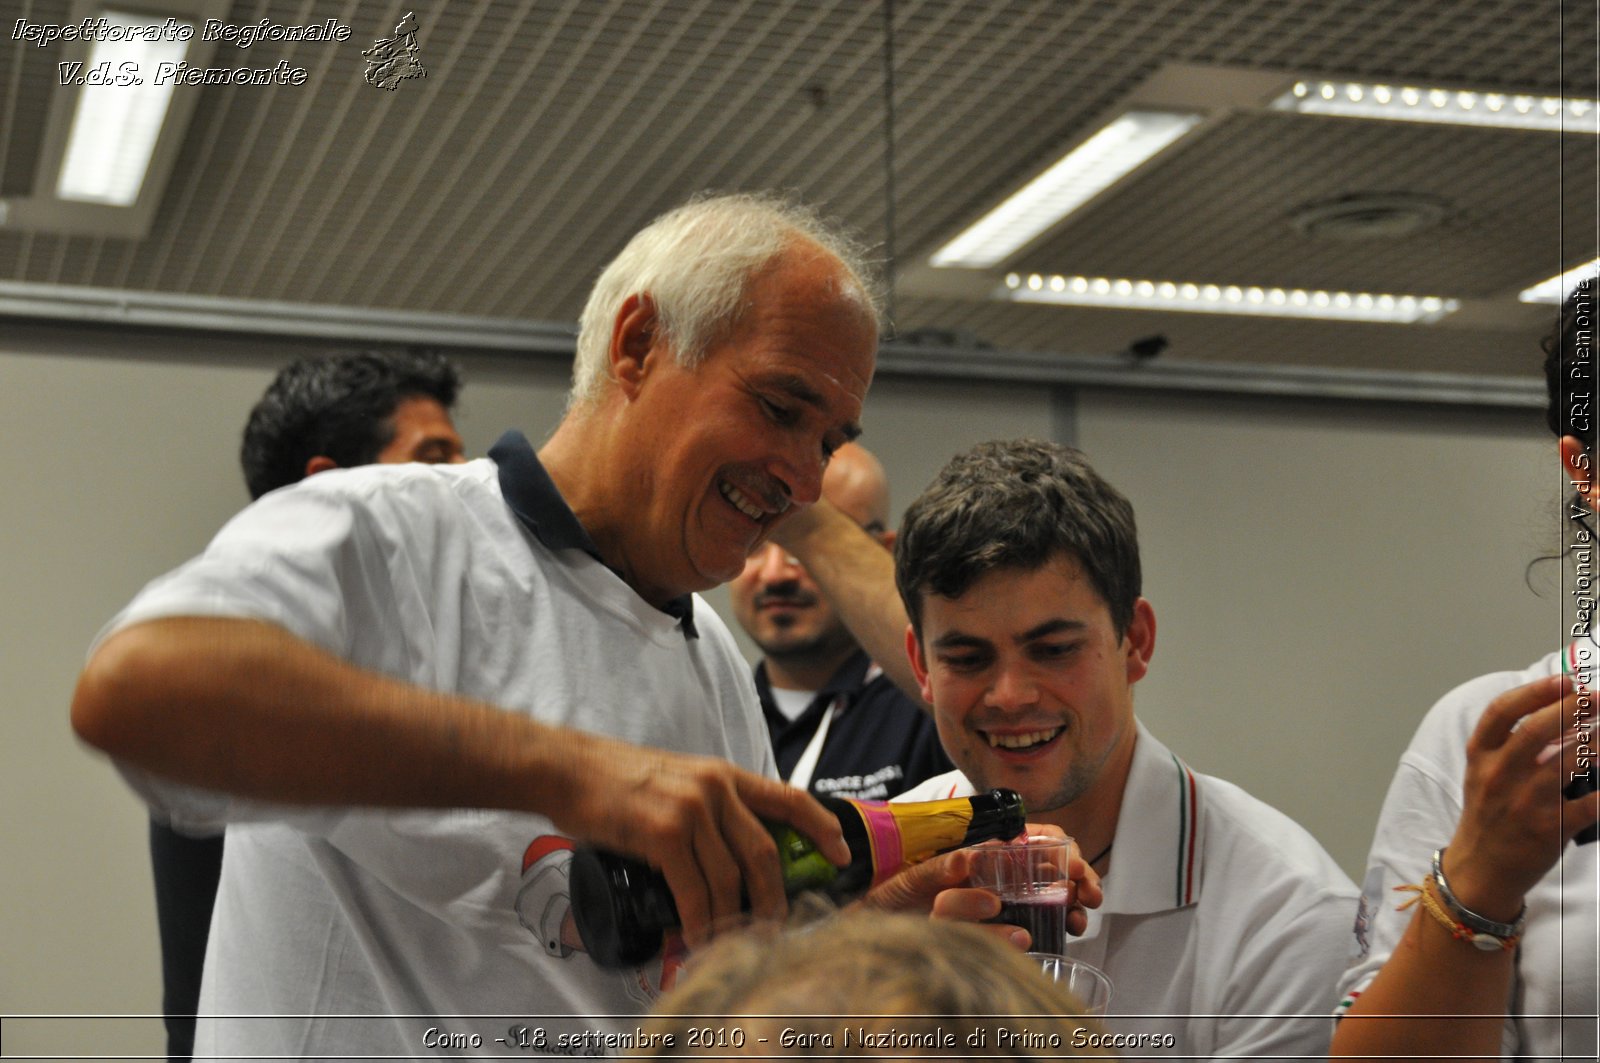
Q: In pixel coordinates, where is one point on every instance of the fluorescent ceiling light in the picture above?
(1411, 103)
(115, 127)
(1225, 299)
(1556, 289)
(1076, 178)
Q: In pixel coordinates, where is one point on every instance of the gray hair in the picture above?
(696, 263)
(1017, 504)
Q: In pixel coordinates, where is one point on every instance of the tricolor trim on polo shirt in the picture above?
(536, 502)
(1188, 819)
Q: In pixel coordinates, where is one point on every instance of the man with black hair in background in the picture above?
(320, 412)
(347, 409)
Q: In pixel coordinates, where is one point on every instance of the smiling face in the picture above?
(784, 612)
(1031, 687)
(719, 454)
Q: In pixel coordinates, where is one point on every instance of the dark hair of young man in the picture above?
(1017, 504)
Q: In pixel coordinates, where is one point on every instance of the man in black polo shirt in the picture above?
(839, 725)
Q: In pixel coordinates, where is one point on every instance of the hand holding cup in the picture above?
(1032, 878)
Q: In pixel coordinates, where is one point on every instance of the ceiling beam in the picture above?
(184, 313)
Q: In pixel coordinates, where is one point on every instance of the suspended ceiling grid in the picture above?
(546, 132)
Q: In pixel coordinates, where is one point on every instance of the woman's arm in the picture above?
(1513, 827)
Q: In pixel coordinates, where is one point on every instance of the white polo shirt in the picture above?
(354, 932)
(1225, 925)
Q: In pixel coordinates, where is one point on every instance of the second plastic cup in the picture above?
(1084, 981)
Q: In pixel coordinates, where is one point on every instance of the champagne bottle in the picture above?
(623, 907)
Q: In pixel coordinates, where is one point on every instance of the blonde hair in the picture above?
(908, 983)
(695, 263)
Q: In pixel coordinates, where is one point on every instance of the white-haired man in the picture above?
(404, 688)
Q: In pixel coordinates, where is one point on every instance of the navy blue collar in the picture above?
(533, 497)
(847, 679)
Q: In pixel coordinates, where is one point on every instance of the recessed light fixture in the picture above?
(1077, 177)
(1556, 289)
(117, 121)
(1225, 298)
(1413, 103)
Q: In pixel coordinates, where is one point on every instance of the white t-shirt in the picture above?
(1225, 924)
(363, 928)
(791, 703)
(1554, 998)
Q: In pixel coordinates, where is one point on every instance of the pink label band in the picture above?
(884, 831)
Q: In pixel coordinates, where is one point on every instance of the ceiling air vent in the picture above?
(1369, 216)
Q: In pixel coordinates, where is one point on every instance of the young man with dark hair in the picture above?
(1224, 923)
(322, 411)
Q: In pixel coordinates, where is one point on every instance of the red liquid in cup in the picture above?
(1043, 914)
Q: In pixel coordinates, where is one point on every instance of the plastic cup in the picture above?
(1084, 981)
(1030, 879)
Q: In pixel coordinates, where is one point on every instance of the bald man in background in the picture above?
(839, 725)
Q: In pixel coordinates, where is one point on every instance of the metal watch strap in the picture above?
(1466, 916)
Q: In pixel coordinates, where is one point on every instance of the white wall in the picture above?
(1320, 575)
(121, 457)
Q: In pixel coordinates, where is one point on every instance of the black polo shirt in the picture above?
(879, 743)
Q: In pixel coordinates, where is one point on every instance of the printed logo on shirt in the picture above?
(544, 902)
(873, 787)
(1371, 896)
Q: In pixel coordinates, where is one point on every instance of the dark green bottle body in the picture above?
(623, 907)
